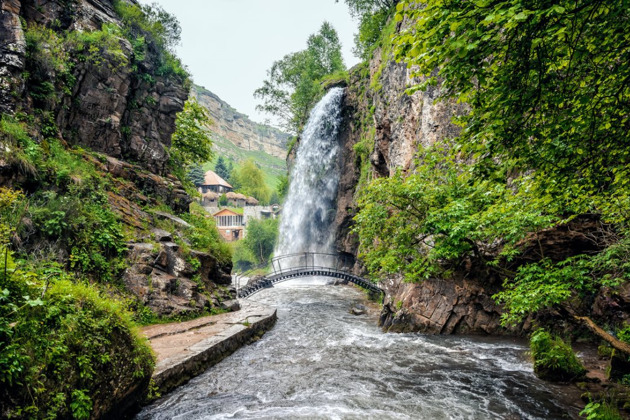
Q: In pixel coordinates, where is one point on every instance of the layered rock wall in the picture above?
(238, 129)
(111, 108)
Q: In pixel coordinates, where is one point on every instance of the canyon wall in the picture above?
(382, 118)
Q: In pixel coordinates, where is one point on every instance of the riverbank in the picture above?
(186, 349)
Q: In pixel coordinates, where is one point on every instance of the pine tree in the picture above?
(221, 168)
(196, 175)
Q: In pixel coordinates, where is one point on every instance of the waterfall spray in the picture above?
(310, 205)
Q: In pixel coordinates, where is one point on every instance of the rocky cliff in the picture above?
(88, 103)
(384, 129)
(112, 108)
(238, 129)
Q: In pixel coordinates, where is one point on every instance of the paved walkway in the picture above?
(186, 349)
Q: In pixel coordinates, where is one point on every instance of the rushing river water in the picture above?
(321, 362)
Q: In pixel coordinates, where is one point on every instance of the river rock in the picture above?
(358, 309)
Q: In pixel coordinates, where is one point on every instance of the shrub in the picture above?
(65, 348)
(554, 359)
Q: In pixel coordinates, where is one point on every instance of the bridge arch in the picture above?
(307, 264)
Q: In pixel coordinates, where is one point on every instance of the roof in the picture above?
(226, 212)
(211, 178)
(252, 200)
(235, 196)
(210, 195)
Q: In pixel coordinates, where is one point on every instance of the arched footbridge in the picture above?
(306, 264)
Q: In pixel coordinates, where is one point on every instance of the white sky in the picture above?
(228, 45)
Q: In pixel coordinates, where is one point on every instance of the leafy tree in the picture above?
(261, 239)
(222, 168)
(191, 140)
(292, 87)
(545, 140)
(196, 175)
(249, 179)
(547, 84)
(372, 16)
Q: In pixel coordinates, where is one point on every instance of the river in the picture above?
(321, 362)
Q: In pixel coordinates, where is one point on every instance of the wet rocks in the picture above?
(358, 309)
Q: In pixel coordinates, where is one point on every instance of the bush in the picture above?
(65, 349)
(554, 359)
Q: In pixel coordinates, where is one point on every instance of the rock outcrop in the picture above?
(111, 108)
(396, 124)
(124, 107)
(238, 129)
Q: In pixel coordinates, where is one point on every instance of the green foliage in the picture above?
(554, 359)
(373, 16)
(204, 236)
(153, 33)
(293, 84)
(52, 58)
(223, 168)
(283, 187)
(196, 175)
(247, 178)
(546, 89)
(191, 143)
(153, 21)
(544, 140)
(63, 348)
(601, 411)
(256, 249)
(545, 284)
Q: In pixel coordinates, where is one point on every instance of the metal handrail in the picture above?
(281, 274)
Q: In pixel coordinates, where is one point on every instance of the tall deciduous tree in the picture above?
(372, 16)
(292, 87)
(249, 179)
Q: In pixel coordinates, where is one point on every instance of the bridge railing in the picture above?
(314, 260)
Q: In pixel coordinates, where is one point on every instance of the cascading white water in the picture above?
(310, 205)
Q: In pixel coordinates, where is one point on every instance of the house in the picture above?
(230, 225)
(214, 183)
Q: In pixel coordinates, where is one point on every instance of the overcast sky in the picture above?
(228, 45)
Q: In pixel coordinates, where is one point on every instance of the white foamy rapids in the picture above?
(322, 362)
(309, 208)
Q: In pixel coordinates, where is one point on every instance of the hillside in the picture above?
(237, 137)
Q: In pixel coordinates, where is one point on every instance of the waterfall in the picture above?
(309, 209)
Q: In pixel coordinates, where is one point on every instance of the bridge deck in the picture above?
(308, 271)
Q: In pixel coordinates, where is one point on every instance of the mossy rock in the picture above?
(554, 359)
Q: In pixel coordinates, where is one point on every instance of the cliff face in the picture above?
(108, 106)
(87, 110)
(384, 129)
(238, 129)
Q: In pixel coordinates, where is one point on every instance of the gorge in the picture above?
(474, 166)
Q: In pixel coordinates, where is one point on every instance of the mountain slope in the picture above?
(237, 137)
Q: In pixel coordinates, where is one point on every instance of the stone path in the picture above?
(186, 349)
